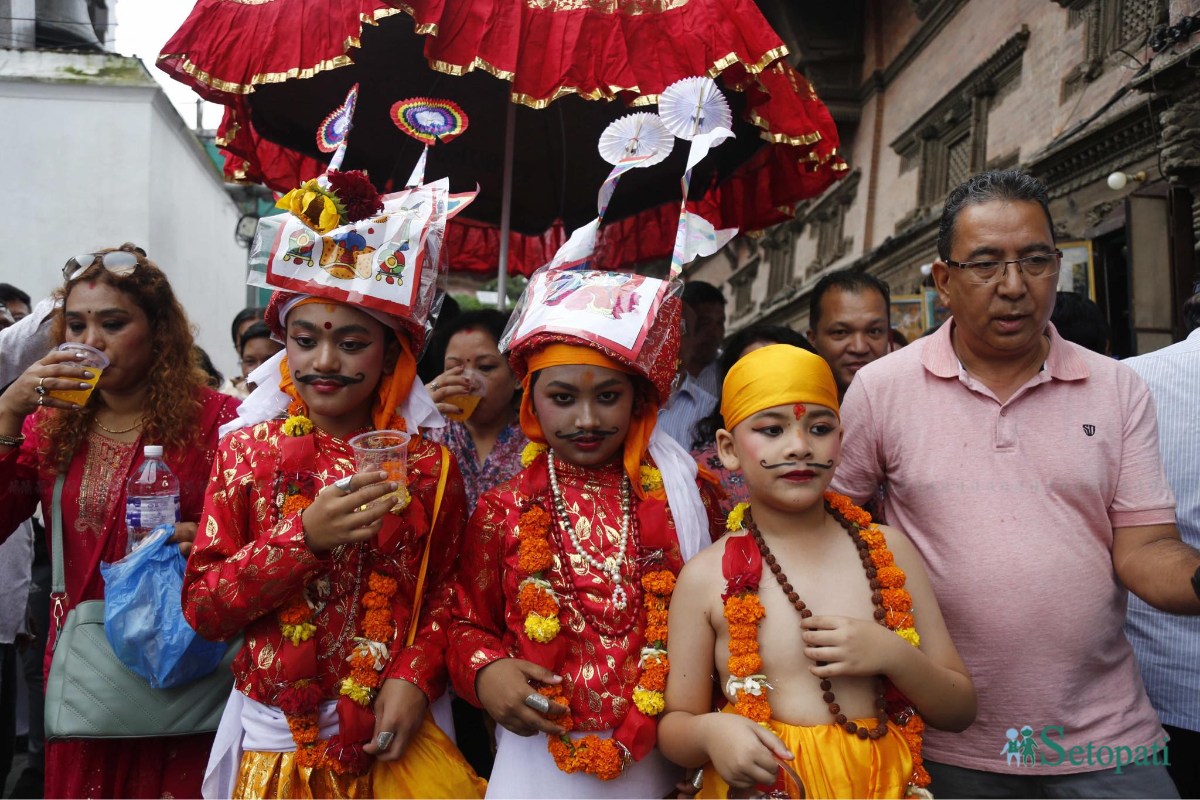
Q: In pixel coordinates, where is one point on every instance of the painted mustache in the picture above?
(573, 435)
(814, 465)
(344, 380)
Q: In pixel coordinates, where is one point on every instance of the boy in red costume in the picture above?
(561, 628)
(340, 587)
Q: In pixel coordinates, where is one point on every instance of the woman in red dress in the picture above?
(152, 392)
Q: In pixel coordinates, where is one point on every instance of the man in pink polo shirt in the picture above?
(1026, 470)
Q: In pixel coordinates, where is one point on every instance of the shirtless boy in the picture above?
(809, 612)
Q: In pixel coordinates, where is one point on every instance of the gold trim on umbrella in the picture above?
(631, 8)
(800, 140)
(230, 135)
(231, 87)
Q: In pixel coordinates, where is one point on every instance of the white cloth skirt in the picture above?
(525, 768)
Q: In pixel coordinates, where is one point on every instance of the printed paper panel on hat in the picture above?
(612, 309)
(390, 262)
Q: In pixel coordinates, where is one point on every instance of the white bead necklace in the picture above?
(611, 566)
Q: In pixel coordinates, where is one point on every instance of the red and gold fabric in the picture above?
(600, 671)
(629, 50)
(250, 560)
(431, 767)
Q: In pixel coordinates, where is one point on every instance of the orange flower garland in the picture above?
(604, 758)
(535, 558)
(744, 612)
(300, 701)
(648, 694)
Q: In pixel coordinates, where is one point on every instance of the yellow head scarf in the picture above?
(641, 424)
(776, 375)
(393, 390)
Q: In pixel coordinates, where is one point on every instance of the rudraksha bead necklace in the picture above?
(864, 552)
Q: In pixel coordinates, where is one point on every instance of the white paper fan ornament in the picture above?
(693, 106)
(634, 135)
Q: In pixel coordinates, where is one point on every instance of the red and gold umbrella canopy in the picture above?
(278, 66)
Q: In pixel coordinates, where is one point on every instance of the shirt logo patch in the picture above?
(1090, 430)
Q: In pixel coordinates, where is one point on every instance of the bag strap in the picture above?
(58, 583)
(419, 595)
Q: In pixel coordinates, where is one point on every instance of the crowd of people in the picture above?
(830, 564)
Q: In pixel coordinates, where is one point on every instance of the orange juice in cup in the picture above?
(468, 401)
(95, 362)
(384, 451)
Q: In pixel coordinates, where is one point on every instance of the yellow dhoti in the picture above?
(833, 763)
(430, 767)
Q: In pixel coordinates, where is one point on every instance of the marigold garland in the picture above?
(744, 612)
(734, 521)
(534, 558)
(300, 700)
(652, 479)
(603, 758)
(297, 425)
(531, 452)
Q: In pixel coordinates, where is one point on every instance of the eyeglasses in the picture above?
(118, 262)
(1038, 265)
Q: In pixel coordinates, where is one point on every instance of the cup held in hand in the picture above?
(385, 451)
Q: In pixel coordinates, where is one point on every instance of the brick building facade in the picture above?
(926, 92)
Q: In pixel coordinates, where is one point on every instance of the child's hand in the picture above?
(345, 517)
(399, 710)
(503, 687)
(848, 646)
(743, 752)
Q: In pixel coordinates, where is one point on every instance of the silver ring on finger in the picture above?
(433, 387)
(344, 484)
(41, 401)
(40, 388)
(384, 740)
(538, 702)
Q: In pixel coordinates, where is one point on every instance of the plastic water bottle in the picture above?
(151, 497)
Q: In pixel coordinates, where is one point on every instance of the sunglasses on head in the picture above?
(118, 262)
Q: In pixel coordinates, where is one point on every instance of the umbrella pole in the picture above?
(510, 129)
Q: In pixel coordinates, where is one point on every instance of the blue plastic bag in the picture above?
(143, 618)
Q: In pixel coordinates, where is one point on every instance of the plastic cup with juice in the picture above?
(94, 360)
(469, 401)
(385, 451)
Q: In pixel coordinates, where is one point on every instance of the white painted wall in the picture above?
(95, 155)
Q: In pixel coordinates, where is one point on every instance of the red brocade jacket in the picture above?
(250, 559)
(598, 646)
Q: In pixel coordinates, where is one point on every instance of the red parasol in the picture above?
(556, 55)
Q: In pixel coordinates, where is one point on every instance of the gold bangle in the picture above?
(12, 441)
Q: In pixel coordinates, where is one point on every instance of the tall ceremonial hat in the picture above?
(345, 242)
(630, 318)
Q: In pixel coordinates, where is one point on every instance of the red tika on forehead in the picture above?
(799, 410)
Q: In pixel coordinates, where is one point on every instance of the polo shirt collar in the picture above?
(1062, 361)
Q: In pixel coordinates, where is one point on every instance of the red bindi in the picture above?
(799, 410)
(328, 326)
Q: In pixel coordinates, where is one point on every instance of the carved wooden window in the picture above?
(958, 163)
(742, 283)
(949, 142)
(1135, 19)
(779, 257)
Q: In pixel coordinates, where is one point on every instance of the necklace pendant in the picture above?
(619, 598)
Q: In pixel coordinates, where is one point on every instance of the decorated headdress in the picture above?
(631, 321)
(343, 242)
